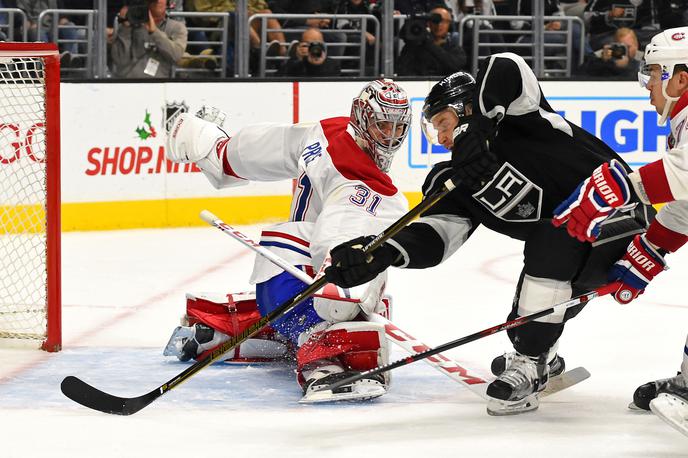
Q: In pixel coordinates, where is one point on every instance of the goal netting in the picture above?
(30, 194)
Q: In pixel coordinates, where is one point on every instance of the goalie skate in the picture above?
(360, 390)
(672, 409)
(645, 393)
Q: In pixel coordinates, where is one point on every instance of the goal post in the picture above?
(30, 296)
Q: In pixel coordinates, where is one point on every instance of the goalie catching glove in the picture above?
(351, 266)
(595, 200)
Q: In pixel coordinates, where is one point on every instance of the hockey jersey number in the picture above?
(510, 196)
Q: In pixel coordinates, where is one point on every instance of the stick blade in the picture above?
(88, 396)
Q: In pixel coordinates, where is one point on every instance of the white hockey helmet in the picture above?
(666, 49)
(380, 117)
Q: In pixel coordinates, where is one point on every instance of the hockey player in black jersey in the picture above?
(517, 159)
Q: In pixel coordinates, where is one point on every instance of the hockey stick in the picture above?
(601, 291)
(442, 363)
(81, 392)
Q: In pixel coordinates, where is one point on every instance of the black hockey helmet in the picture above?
(455, 91)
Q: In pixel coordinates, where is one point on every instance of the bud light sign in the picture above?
(629, 125)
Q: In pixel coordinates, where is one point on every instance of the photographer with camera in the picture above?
(310, 57)
(619, 58)
(430, 48)
(147, 44)
(604, 17)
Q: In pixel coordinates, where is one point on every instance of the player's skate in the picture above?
(645, 393)
(671, 403)
(557, 365)
(516, 389)
(360, 390)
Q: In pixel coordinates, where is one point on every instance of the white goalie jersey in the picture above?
(339, 193)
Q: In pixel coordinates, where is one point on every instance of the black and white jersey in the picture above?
(544, 159)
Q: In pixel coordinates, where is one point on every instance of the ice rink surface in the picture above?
(123, 293)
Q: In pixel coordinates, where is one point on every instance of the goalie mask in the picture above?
(380, 117)
(454, 91)
(666, 50)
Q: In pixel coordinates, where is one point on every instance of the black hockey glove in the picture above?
(352, 267)
(472, 160)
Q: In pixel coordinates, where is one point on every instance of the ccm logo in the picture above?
(678, 36)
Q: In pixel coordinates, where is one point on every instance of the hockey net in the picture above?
(30, 194)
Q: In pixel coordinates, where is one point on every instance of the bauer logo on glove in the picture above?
(594, 200)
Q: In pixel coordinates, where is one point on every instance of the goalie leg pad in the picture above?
(228, 315)
(354, 345)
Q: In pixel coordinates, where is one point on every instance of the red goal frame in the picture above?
(50, 55)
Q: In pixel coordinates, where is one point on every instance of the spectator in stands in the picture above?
(33, 9)
(672, 13)
(332, 37)
(254, 7)
(620, 58)
(433, 52)
(5, 27)
(479, 7)
(147, 44)
(604, 17)
(551, 8)
(310, 57)
(573, 7)
(356, 7)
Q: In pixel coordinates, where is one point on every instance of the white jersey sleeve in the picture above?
(265, 152)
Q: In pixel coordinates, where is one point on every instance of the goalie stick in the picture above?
(440, 362)
(606, 289)
(81, 392)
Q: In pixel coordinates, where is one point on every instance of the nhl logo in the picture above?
(625, 295)
(171, 111)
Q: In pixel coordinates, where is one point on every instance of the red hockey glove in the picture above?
(595, 200)
(641, 263)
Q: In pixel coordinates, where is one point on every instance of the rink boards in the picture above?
(115, 175)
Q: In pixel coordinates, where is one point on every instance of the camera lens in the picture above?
(316, 49)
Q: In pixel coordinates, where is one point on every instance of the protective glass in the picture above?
(652, 73)
(431, 134)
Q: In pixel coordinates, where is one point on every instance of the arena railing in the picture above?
(8, 27)
(362, 21)
(541, 50)
(216, 37)
(83, 57)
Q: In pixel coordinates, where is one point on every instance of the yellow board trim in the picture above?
(99, 216)
(179, 212)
